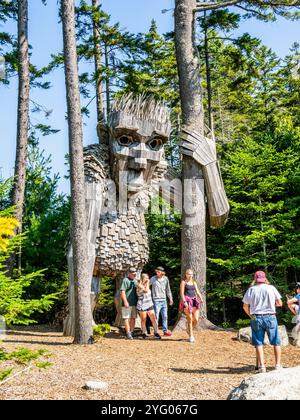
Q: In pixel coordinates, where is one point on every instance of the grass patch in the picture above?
(43, 365)
(5, 374)
(23, 356)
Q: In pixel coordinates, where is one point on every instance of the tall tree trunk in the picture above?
(194, 212)
(208, 76)
(107, 80)
(18, 192)
(83, 314)
(98, 62)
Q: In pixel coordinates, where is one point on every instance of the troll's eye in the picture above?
(155, 144)
(125, 140)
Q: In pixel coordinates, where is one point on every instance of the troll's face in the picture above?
(138, 131)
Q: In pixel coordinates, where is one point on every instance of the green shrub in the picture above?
(242, 323)
(5, 374)
(24, 356)
(100, 330)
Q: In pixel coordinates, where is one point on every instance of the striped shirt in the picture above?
(144, 301)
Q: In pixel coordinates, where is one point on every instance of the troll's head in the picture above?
(137, 130)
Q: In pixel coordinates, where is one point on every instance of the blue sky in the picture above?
(46, 38)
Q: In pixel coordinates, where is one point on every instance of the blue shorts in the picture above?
(265, 324)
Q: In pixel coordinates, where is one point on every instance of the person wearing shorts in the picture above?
(145, 305)
(129, 301)
(260, 302)
(190, 300)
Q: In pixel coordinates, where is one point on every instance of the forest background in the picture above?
(251, 100)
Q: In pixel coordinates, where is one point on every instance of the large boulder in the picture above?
(281, 384)
(244, 334)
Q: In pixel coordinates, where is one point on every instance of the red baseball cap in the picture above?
(260, 277)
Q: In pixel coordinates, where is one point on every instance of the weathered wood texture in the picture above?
(122, 239)
(193, 222)
(80, 257)
(116, 231)
(203, 150)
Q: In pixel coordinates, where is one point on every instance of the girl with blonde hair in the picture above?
(191, 299)
(145, 305)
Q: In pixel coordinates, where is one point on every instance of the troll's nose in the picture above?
(139, 159)
(137, 163)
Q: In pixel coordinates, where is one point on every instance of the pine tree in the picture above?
(15, 307)
(83, 314)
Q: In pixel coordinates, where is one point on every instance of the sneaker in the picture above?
(144, 336)
(192, 339)
(129, 336)
(278, 367)
(156, 335)
(261, 369)
(167, 334)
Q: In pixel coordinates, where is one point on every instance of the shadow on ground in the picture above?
(115, 335)
(219, 370)
(41, 343)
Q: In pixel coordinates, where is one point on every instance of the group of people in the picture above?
(260, 303)
(148, 297)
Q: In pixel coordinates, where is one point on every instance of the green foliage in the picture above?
(105, 311)
(163, 224)
(261, 180)
(23, 356)
(14, 306)
(100, 330)
(46, 221)
(3, 355)
(255, 107)
(4, 374)
(242, 323)
(43, 365)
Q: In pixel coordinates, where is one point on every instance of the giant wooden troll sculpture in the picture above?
(122, 174)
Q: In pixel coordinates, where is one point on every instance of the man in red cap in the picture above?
(260, 302)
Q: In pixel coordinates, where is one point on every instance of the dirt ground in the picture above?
(167, 369)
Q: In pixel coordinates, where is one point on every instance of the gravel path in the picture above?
(167, 369)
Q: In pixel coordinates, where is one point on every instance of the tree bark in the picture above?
(98, 63)
(194, 212)
(208, 76)
(107, 81)
(18, 192)
(82, 283)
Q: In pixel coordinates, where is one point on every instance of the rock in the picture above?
(296, 343)
(2, 328)
(281, 384)
(96, 386)
(244, 334)
(295, 337)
